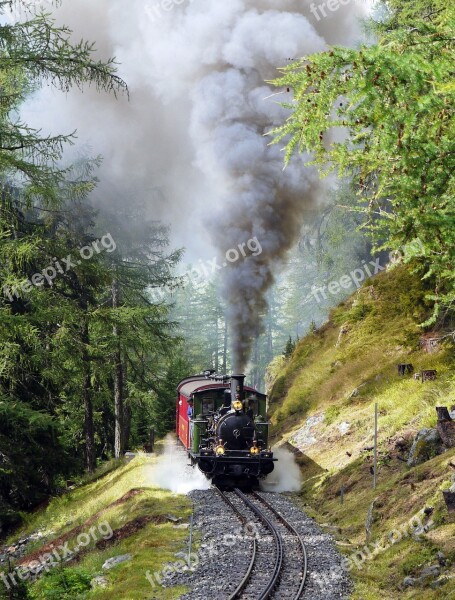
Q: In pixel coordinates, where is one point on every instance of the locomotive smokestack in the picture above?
(237, 392)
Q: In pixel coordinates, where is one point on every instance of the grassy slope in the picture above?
(88, 505)
(382, 321)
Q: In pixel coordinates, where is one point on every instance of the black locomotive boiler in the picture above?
(222, 424)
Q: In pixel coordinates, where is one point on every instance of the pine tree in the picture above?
(34, 194)
(290, 347)
(395, 99)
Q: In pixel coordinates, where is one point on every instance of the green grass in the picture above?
(382, 321)
(96, 506)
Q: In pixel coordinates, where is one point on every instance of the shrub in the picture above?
(63, 584)
(331, 414)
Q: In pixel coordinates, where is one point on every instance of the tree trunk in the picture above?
(256, 362)
(269, 339)
(127, 415)
(88, 404)
(225, 345)
(106, 432)
(216, 362)
(119, 436)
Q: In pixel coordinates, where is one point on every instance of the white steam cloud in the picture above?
(286, 477)
(171, 470)
(189, 148)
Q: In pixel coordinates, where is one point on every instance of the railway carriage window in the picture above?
(208, 405)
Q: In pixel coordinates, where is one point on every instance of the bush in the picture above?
(331, 414)
(63, 584)
(16, 592)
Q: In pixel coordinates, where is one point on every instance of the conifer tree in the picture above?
(395, 101)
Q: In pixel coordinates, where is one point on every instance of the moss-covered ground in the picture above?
(122, 500)
(339, 377)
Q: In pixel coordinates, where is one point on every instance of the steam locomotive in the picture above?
(227, 434)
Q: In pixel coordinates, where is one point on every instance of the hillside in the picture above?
(322, 403)
(119, 512)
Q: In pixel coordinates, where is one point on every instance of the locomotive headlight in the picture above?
(237, 405)
(220, 451)
(254, 450)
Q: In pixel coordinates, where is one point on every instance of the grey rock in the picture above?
(173, 518)
(430, 572)
(439, 582)
(426, 445)
(99, 582)
(344, 427)
(116, 560)
(410, 582)
(370, 520)
(331, 528)
(304, 437)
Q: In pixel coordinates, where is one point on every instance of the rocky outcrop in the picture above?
(99, 582)
(116, 560)
(427, 445)
(427, 575)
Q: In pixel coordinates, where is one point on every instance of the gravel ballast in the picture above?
(223, 551)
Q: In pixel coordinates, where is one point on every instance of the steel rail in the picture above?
(277, 567)
(242, 585)
(298, 536)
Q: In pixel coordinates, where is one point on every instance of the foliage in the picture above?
(34, 52)
(30, 453)
(66, 584)
(58, 351)
(393, 104)
(20, 591)
(109, 498)
(199, 313)
(319, 379)
(289, 349)
(380, 321)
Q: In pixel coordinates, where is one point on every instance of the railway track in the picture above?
(277, 568)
